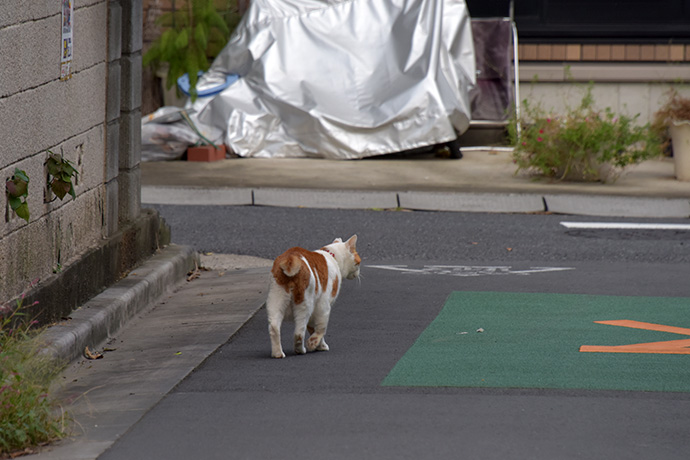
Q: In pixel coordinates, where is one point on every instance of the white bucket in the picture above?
(680, 137)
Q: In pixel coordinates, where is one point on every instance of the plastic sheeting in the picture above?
(343, 79)
(166, 134)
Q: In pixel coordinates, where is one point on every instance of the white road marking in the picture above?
(623, 226)
(468, 270)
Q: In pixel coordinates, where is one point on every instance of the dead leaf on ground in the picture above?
(20, 453)
(194, 274)
(88, 354)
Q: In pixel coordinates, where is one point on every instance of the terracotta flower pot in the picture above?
(205, 153)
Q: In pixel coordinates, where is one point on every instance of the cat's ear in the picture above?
(352, 242)
(337, 240)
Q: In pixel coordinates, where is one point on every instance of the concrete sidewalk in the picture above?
(160, 346)
(483, 181)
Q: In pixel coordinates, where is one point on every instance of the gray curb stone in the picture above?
(341, 199)
(196, 196)
(471, 202)
(575, 204)
(613, 206)
(102, 316)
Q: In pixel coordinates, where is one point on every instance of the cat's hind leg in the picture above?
(301, 316)
(321, 346)
(317, 328)
(274, 333)
(316, 341)
(276, 306)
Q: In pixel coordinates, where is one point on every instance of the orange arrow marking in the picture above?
(676, 347)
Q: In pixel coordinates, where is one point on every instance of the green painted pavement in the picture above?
(532, 340)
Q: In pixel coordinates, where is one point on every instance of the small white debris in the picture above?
(481, 329)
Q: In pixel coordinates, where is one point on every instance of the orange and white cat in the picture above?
(304, 285)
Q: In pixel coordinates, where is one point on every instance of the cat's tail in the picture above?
(290, 265)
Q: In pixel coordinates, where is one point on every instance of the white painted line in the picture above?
(487, 149)
(468, 270)
(624, 226)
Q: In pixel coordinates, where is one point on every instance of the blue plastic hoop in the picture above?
(183, 84)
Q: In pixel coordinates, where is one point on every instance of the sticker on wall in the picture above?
(66, 46)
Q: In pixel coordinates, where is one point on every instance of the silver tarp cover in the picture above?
(344, 79)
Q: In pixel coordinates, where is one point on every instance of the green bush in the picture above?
(583, 144)
(29, 416)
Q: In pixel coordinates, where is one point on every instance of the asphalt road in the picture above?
(241, 404)
(421, 236)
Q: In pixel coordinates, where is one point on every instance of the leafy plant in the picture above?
(28, 415)
(17, 190)
(676, 108)
(60, 174)
(232, 17)
(583, 144)
(190, 38)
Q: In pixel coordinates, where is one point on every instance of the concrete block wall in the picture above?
(126, 15)
(93, 119)
(627, 88)
(630, 78)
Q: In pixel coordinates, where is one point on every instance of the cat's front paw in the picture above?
(280, 355)
(299, 345)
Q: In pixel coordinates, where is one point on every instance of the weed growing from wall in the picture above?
(17, 191)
